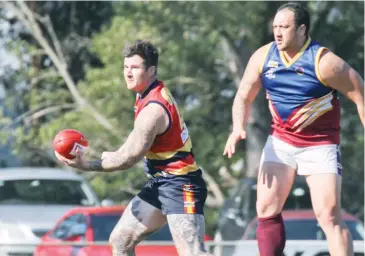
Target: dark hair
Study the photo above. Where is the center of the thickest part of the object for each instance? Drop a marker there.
(301, 14)
(147, 51)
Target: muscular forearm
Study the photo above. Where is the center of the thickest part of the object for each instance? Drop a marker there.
(240, 112)
(119, 160)
(149, 123)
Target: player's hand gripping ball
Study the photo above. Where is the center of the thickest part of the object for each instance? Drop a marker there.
(67, 141)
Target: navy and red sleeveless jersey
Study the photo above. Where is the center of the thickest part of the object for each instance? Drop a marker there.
(171, 152)
(305, 111)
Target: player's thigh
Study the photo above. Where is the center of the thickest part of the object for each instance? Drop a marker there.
(183, 194)
(325, 190)
(183, 198)
(139, 219)
(275, 177)
(319, 160)
(188, 232)
(273, 186)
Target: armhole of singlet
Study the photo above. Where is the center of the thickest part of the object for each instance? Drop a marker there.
(266, 52)
(316, 65)
(168, 114)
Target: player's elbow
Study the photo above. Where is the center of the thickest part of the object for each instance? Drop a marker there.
(242, 98)
(357, 94)
(359, 101)
(357, 97)
(246, 100)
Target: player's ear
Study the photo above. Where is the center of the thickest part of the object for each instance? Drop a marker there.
(152, 70)
(302, 29)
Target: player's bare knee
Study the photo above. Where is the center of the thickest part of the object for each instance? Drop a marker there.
(267, 209)
(188, 233)
(123, 240)
(328, 217)
(117, 242)
(188, 247)
(261, 209)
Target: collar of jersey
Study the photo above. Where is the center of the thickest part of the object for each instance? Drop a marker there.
(153, 85)
(297, 56)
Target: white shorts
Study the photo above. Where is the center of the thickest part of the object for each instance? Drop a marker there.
(306, 160)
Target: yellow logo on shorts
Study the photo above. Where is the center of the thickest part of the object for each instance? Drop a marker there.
(189, 200)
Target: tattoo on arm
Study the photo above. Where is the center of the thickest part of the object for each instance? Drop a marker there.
(96, 166)
(137, 144)
(340, 68)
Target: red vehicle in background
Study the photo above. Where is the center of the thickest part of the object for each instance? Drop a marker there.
(94, 224)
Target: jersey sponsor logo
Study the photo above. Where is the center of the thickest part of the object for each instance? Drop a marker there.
(272, 64)
(270, 73)
(299, 70)
(184, 134)
(189, 204)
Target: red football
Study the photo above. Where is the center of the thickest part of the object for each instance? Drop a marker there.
(68, 141)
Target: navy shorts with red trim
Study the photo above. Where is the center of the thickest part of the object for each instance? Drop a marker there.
(176, 194)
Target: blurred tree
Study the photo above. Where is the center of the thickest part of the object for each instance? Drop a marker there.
(46, 58)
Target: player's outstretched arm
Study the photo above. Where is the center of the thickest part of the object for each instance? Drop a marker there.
(150, 122)
(337, 74)
(247, 91)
